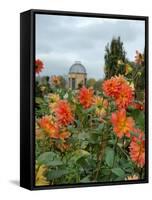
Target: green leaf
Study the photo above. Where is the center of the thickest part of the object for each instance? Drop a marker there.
(50, 159)
(79, 154)
(53, 174)
(118, 171)
(85, 180)
(139, 118)
(109, 156)
(105, 172)
(89, 110)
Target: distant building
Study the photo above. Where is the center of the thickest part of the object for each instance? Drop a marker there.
(77, 76)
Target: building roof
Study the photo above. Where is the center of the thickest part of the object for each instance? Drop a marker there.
(77, 67)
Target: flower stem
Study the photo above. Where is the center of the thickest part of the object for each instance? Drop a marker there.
(100, 156)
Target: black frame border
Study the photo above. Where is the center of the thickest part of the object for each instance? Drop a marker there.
(29, 183)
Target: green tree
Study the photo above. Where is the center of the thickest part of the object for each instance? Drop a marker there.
(98, 84)
(115, 57)
(91, 82)
(62, 82)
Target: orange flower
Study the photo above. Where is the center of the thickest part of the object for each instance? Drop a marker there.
(55, 80)
(38, 66)
(111, 87)
(125, 96)
(64, 135)
(63, 113)
(122, 125)
(118, 88)
(63, 146)
(137, 148)
(85, 97)
(49, 126)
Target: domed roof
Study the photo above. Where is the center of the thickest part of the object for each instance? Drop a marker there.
(77, 67)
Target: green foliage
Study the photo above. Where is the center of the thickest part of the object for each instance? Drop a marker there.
(109, 156)
(91, 82)
(114, 52)
(56, 173)
(49, 159)
(97, 85)
(41, 107)
(118, 172)
(93, 151)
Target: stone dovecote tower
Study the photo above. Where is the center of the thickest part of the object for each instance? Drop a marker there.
(77, 76)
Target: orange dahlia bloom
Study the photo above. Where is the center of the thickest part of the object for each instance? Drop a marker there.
(122, 125)
(85, 97)
(49, 126)
(63, 113)
(38, 66)
(119, 89)
(125, 96)
(111, 87)
(137, 148)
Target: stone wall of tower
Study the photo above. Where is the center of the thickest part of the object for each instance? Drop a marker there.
(79, 79)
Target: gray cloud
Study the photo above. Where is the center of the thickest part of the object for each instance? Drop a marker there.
(60, 40)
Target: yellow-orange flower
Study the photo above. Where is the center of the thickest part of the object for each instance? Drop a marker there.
(55, 80)
(139, 58)
(63, 113)
(38, 66)
(119, 89)
(122, 125)
(86, 97)
(128, 69)
(101, 106)
(137, 148)
(130, 178)
(40, 173)
(53, 99)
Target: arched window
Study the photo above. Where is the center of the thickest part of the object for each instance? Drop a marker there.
(73, 83)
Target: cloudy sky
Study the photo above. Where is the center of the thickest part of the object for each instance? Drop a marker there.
(62, 40)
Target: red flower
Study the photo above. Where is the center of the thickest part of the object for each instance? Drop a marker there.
(85, 97)
(137, 148)
(122, 125)
(38, 66)
(119, 89)
(63, 113)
